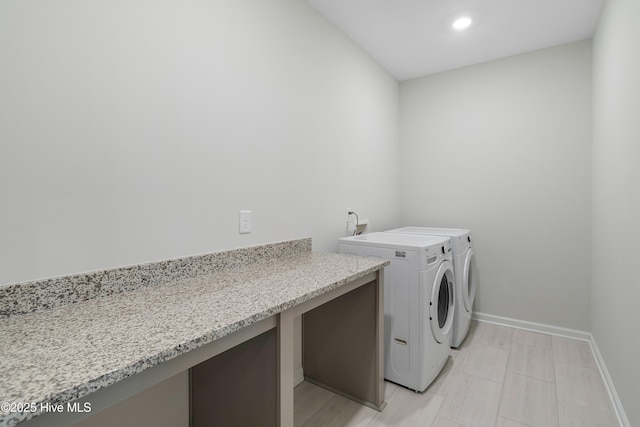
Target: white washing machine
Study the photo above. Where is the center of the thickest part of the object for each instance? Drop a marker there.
(465, 275)
(419, 302)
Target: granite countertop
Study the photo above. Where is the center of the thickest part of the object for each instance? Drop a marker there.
(65, 353)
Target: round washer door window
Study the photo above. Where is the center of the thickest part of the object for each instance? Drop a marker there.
(469, 280)
(441, 305)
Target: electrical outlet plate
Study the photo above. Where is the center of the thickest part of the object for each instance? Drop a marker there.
(351, 222)
(245, 222)
(347, 214)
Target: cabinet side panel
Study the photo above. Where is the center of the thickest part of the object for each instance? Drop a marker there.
(340, 343)
(238, 387)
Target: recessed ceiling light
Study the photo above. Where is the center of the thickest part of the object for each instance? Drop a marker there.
(461, 23)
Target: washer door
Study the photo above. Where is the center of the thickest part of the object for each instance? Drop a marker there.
(442, 304)
(469, 280)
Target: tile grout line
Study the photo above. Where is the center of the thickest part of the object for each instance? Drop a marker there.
(555, 386)
(464, 354)
(618, 409)
(529, 376)
(504, 377)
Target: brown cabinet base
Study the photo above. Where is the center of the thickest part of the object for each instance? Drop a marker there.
(237, 387)
(341, 341)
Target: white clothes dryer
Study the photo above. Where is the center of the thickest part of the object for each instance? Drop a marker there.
(419, 302)
(465, 274)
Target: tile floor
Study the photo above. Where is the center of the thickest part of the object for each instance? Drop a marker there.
(500, 376)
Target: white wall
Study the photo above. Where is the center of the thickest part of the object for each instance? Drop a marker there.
(136, 130)
(504, 148)
(616, 198)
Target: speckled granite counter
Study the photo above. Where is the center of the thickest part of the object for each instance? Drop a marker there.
(61, 354)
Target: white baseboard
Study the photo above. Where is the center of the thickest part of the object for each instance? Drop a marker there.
(298, 376)
(608, 382)
(532, 326)
(571, 333)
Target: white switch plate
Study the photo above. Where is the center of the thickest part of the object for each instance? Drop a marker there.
(245, 222)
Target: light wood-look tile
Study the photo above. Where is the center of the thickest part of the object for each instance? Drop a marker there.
(467, 342)
(572, 352)
(458, 353)
(307, 392)
(505, 422)
(339, 411)
(578, 416)
(534, 377)
(471, 401)
(529, 401)
(532, 338)
(408, 408)
(492, 335)
(308, 400)
(581, 386)
(441, 422)
(532, 361)
(473, 327)
(441, 384)
(389, 389)
(486, 361)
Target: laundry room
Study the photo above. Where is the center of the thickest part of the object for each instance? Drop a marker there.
(133, 132)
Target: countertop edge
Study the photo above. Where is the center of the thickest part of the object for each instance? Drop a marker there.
(113, 377)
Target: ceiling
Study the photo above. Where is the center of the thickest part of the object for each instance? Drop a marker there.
(413, 38)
